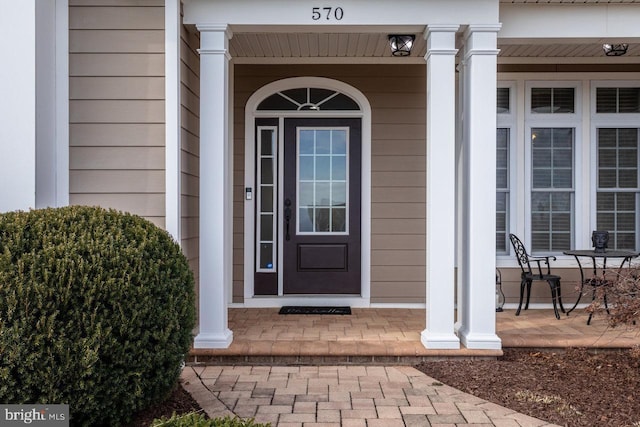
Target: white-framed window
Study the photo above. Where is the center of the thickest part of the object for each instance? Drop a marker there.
(267, 172)
(616, 129)
(574, 163)
(506, 120)
(552, 188)
(552, 122)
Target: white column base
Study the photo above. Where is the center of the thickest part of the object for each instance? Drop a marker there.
(480, 341)
(439, 341)
(213, 340)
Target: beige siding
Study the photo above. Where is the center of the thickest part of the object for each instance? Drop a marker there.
(116, 134)
(116, 110)
(117, 18)
(116, 41)
(190, 149)
(121, 181)
(398, 169)
(120, 88)
(117, 158)
(150, 205)
(117, 64)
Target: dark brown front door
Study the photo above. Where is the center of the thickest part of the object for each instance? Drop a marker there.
(321, 212)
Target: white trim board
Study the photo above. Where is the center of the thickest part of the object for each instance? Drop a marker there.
(249, 14)
(52, 103)
(172, 117)
(62, 102)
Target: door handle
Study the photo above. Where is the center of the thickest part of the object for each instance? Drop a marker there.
(287, 218)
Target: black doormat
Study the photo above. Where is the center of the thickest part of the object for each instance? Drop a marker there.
(292, 309)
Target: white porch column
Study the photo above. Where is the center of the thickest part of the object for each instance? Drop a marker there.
(215, 195)
(478, 320)
(18, 105)
(440, 57)
(34, 108)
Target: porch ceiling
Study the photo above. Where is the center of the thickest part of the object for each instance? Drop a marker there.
(335, 46)
(310, 45)
(591, 50)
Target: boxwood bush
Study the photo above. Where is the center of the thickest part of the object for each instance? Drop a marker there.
(194, 419)
(96, 311)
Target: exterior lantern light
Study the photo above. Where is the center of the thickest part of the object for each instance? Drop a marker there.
(615, 49)
(401, 44)
(499, 293)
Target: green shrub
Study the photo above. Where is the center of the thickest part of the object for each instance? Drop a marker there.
(194, 419)
(96, 311)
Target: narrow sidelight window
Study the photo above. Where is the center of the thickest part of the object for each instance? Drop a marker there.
(266, 198)
(502, 190)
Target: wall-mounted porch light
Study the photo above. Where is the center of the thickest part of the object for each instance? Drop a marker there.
(615, 49)
(401, 44)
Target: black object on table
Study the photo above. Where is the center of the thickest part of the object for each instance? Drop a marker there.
(598, 278)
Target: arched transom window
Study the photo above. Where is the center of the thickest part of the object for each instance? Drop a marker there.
(308, 98)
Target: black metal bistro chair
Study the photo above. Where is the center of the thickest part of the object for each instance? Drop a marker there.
(529, 275)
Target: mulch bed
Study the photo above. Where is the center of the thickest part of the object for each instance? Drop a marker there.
(179, 402)
(571, 388)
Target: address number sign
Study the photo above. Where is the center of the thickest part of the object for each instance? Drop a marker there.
(327, 13)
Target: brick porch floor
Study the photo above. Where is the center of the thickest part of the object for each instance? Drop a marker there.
(392, 336)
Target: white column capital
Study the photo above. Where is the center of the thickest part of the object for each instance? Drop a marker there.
(216, 28)
(441, 40)
(441, 28)
(481, 40)
(482, 28)
(214, 39)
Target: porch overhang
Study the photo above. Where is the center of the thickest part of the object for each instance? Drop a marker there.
(529, 30)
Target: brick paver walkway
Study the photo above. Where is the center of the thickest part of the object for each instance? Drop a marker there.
(349, 396)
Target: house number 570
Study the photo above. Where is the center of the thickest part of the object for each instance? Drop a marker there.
(328, 13)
